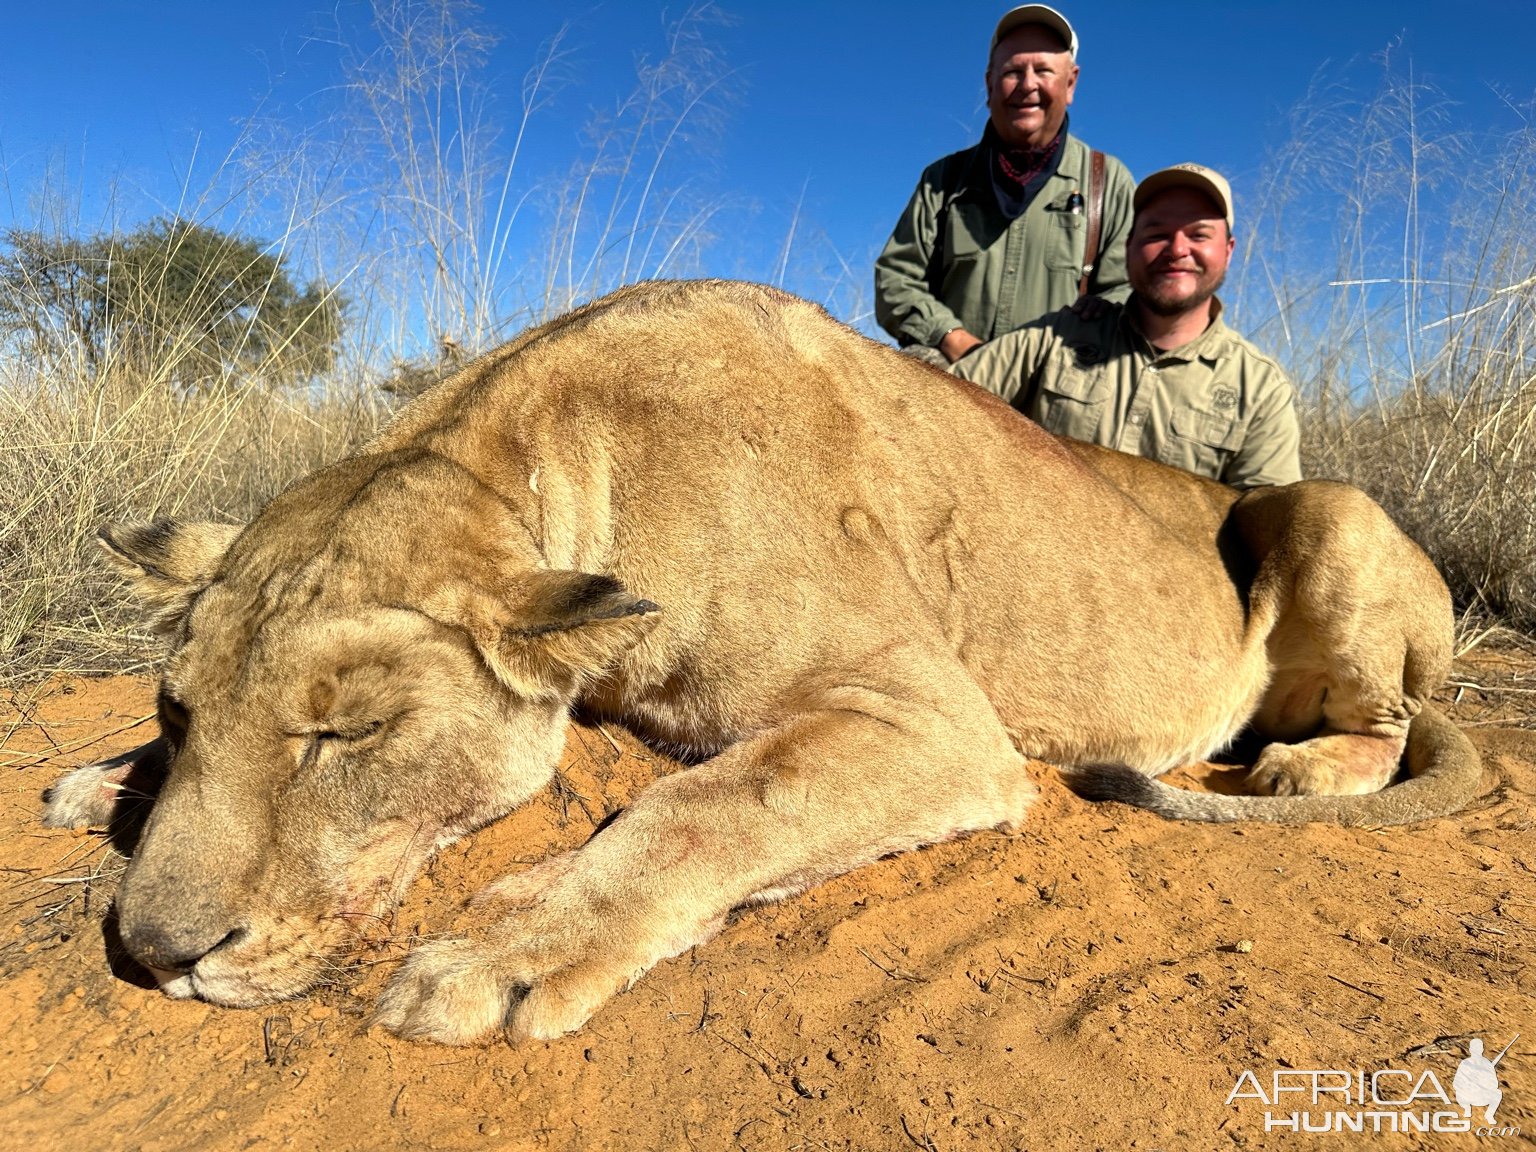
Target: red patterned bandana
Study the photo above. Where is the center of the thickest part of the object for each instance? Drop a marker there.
(1025, 165)
(1018, 174)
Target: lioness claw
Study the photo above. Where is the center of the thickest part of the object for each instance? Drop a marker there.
(92, 795)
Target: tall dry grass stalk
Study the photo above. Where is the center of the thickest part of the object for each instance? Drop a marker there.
(622, 213)
(429, 155)
(1388, 257)
(422, 190)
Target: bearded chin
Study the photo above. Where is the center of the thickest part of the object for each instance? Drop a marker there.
(1167, 305)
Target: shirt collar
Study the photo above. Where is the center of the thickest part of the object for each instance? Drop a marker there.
(1073, 164)
(1209, 345)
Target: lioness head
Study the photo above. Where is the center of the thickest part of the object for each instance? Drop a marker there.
(374, 666)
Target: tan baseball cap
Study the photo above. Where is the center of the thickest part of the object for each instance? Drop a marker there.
(1207, 180)
(1037, 14)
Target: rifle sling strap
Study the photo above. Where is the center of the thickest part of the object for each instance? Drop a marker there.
(1095, 218)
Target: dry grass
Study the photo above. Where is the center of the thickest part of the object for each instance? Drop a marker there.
(75, 454)
(1454, 466)
(1387, 257)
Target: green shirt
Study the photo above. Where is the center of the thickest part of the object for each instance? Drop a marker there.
(1217, 407)
(955, 261)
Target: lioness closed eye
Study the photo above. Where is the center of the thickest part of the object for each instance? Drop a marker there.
(863, 590)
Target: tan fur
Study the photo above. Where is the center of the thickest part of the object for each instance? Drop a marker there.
(865, 590)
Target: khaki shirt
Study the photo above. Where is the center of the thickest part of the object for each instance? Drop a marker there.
(955, 261)
(1217, 407)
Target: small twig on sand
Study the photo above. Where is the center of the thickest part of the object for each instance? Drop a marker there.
(924, 1142)
(1356, 987)
(893, 973)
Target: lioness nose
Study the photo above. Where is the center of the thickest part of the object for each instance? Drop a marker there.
(177, 948)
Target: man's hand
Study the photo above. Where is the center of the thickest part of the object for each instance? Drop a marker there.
(956, 344)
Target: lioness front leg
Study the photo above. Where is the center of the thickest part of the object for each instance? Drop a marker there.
(864, 775)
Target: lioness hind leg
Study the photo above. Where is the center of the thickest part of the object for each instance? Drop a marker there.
(864, 773)
(1361, 636)
(1333, 764)
(1359, 712)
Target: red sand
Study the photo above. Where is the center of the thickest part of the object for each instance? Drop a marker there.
(1099, 981)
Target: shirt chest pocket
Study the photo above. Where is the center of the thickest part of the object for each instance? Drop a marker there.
(1066, 236)
(1071, 399)
(1202, 442)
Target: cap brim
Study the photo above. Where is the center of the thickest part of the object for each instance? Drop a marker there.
(1160, 182)
(1037, 14)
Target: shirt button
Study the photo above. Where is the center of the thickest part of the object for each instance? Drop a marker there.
(1136, 419)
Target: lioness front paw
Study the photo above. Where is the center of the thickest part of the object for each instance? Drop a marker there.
(466, 991)
(547, 950)
(90, 796)
(448, 992)
(542, 956)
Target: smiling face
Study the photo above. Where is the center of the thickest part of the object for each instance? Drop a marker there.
(361, 680)
(1178, 251)
(1030, 81)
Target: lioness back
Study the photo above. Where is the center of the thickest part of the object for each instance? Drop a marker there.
(759, 444)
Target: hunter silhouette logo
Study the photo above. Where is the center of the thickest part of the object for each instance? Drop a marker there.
(1477, 1084)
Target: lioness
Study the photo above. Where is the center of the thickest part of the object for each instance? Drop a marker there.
(861, 591)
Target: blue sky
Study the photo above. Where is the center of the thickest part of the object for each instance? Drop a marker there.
(830, 108)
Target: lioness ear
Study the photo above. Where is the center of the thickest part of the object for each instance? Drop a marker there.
(555, 630)
(167, 562)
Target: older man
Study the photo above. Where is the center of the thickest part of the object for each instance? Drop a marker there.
(1017, 226)
(1160, 375)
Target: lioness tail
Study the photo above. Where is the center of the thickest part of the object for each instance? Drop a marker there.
(1445, 774)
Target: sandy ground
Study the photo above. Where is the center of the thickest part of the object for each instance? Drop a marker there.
(1100, 981)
